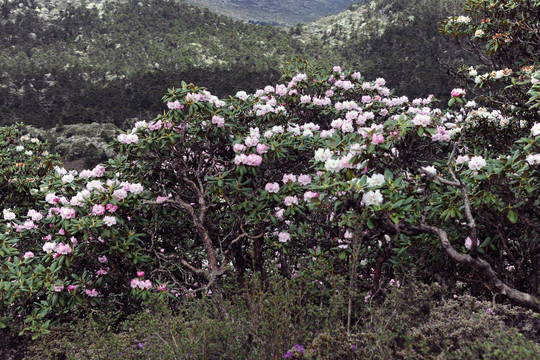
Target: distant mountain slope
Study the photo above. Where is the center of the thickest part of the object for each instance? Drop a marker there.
(275, 12)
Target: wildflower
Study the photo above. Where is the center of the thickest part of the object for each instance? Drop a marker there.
(272, 187)
(476, 163)
(34, 215)
(535, 130)
(218, 121)
(67, 213)
(98, 210)
(109, 220)
(63, 249)
(333, 165)
(290, 200)
(8, 215)
(309, 195)
(372, 198)
(375, 180)
(284, 237)
(49, 247)
(28, 255)
(462, 159)
(92, 293)
(289, 178)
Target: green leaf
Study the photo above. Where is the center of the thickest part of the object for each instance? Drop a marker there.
(369, 224)
(512, 216)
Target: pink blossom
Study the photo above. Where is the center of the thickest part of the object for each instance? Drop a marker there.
(304, 99)
(462, 159)
(119, 194)
(468, 243)
(28, 255)
(102, 259)
(140, 274)
(102, 272)
(111, 208)
(34, 215)
(272, 187)
(71, 288)
(134, 283)
(377, 139)
(308, 195)
(441, 135)
(162, 199)
(253, 160)
(284, 237)
(304, 179)
(98, 170)
(128, 138)
(67, 213)
(58, 288)
(175, 105)
(477, 163)
(289, 178)
(63, 249)
(98, 210)
(92, 293)
(136, 188)
(49, 247)
(262, 149)
(422, 120)
(218, 121)
(239, 147)
(109, 220)
(162, 287)
(290, 200)
(457, 92)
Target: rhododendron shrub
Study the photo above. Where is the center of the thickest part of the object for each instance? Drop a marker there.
(503, 36)
(324, 165)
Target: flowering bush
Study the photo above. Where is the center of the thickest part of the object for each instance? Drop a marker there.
(324, 164)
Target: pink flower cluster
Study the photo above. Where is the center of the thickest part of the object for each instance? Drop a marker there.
(249, 160)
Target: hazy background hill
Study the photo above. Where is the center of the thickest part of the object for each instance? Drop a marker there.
(275, 12)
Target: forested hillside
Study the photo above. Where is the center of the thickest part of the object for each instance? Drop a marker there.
(108, 62)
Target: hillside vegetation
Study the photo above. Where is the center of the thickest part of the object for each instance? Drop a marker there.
(108, 62)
